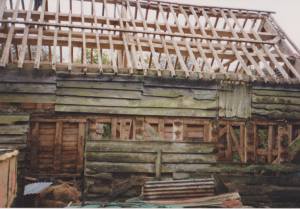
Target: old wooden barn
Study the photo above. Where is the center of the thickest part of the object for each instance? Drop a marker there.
(109, 91)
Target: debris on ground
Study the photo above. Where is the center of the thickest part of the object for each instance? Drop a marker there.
(188, 193)
(60, 195)
(166, 190)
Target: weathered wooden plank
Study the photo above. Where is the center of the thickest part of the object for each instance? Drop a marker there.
(28, 76)
(4, 166)
(121, 167)
(164, 92)
(198, 94)
(136, 111)
(11, 119)
(234, 101)
(109, 85)
(280, 107)
(146, 167)
(158, 164)
(205, 95)
(149, 146)
(27, 88)
(183, 102)
(27, 98)
(80, 147)
(289, 88)
(276, 114)
(10, 34)
(275, 92)
(102, 93)
(122, 157)
(12, 146)
(57, 141)
(99, 190)
(288, 100)
(14, 129)
(180, 83)
(11, 139)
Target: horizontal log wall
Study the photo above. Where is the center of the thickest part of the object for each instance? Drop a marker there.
(27, 91)
(118, 160)
(43, 91)
(136, 97)
(275, 102)
(112, 164)
(139, 108)
(202, 154)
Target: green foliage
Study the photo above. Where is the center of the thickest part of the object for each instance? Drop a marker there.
(105, 57)
(107, 130)
(236, 157)
(263, 138)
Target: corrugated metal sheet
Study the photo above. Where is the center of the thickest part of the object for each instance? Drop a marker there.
(36, 188)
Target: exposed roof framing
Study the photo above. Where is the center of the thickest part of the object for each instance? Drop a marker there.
(149, 38)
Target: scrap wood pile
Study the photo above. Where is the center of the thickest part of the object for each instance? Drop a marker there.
(188, 193)
(59, 195)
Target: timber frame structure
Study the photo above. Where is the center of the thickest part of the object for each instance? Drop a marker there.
(113, 89)
(147, 38)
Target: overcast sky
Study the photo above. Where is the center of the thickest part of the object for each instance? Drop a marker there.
(287, 11)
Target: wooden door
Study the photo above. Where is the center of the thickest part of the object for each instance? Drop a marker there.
(56, 147)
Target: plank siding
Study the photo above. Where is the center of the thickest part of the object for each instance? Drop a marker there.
(276, 103)
(134, 161)
(27, 91)
(34, 91)
(234, 101)
(142, 109)
(56, 147)
(141, 98)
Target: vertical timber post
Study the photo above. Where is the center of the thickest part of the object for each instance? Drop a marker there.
(158, 164)
(87, 137)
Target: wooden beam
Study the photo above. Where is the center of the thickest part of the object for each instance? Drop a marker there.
(54, 57)
(6, 50)
(39, 39)
(24, 40)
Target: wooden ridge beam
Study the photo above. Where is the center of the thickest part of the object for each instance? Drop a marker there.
(115, 21)
(160, 33)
